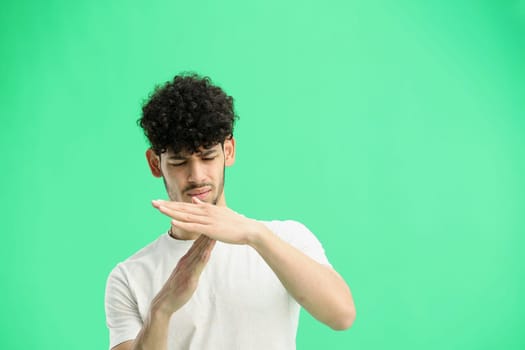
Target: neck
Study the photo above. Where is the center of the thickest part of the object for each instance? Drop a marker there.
(183, 235)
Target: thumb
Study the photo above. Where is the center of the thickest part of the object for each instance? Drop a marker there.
(196, 200)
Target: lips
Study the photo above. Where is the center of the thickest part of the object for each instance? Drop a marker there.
(200, 193)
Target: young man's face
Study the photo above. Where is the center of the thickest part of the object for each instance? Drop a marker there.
(200, 174)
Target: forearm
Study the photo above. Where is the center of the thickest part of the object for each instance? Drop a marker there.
(318, 288)
(154, 333)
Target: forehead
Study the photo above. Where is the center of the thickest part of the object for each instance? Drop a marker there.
(200, 151)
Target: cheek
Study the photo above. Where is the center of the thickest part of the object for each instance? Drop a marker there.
(172, 180)
(215, 169)
(219, 174)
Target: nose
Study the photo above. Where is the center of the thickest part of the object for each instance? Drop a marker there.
(196, 173)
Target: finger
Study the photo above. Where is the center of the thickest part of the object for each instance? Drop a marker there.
(198, 256)
(191, 265)
(203, 228)
(197, 248)
(198, 245)
(188, 260)
(204, 257)
(190, 208)
(183, 216)
(196, 200)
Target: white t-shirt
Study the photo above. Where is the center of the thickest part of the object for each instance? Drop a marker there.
(239, 302)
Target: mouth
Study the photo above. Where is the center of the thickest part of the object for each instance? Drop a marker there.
(200, 193)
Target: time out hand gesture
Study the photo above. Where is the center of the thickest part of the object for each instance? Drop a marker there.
(217, 222)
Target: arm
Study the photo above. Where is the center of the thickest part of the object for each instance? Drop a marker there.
(318, 288)
(177, 290)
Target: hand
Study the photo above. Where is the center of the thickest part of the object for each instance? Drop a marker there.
(217, 222)
(183, 281)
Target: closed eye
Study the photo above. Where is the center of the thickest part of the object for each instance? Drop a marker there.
(177, 164)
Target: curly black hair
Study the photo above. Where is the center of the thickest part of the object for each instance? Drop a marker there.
(187, 113)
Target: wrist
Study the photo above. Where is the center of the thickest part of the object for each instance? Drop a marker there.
(159, 311)
(258, 235)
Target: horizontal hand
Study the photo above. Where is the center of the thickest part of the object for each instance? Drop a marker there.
(217, 222)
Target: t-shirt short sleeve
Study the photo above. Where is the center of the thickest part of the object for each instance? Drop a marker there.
(122, 314)
(301, 238)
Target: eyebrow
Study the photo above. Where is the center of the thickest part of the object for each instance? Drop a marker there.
(202, 154)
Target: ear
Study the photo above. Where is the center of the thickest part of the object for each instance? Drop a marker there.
(229, 151)
(154, 163)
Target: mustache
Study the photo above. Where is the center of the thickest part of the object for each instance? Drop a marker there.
(194, 186)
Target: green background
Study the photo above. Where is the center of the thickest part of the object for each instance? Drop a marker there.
(393, 129)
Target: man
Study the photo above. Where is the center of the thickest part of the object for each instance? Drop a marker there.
(216, 279)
